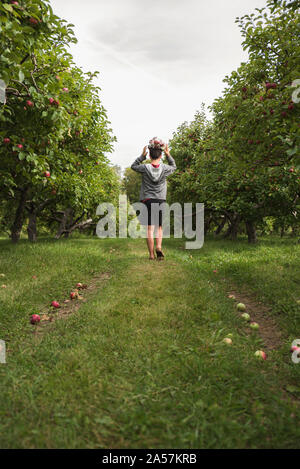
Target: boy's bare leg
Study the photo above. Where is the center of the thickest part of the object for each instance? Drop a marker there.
(150, 241)
(159, 237)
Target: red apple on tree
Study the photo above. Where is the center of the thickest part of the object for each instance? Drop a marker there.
(47, 174)
(6, 140)
(33, 21)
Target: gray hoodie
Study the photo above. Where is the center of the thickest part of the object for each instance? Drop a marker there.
(154, 180)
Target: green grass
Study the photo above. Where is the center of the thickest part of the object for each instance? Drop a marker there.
(142, 364)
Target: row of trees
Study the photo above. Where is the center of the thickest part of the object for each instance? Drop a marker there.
(244, 163)
(54, 131)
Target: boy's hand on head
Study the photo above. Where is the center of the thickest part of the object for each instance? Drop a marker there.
(166, 150)
(145, 151)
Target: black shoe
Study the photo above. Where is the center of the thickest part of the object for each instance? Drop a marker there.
(160, 255)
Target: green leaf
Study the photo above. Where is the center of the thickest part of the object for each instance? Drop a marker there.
(8, 7)
(21, 76)
(293, 389)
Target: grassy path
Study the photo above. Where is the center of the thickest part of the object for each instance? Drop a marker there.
(141, 363)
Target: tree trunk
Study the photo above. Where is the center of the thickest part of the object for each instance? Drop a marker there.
(19, 217)
(294, 231)
(232, 231)
(251, 232)
(207, 225)
(31, 229)
(220, 227)
(66, 221)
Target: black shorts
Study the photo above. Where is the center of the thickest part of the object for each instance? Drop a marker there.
(152, 216)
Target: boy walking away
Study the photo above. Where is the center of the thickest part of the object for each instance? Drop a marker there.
(154, 190)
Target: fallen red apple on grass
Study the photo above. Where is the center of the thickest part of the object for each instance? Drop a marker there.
(227, 341)
(294, 348)
(35, 319)
(55, 304)
(79, 285)
(261, 354)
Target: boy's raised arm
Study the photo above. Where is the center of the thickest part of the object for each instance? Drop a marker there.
(171, 162)
(137, 164)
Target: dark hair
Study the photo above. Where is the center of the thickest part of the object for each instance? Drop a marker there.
(155, 153)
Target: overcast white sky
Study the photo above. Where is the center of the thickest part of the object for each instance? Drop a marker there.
(158, 60)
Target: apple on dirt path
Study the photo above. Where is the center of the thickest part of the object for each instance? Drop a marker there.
(241, 307)
(246, 316)
(254, 325)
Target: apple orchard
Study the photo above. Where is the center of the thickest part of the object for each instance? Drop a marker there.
(243, 163)
(54, 129)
